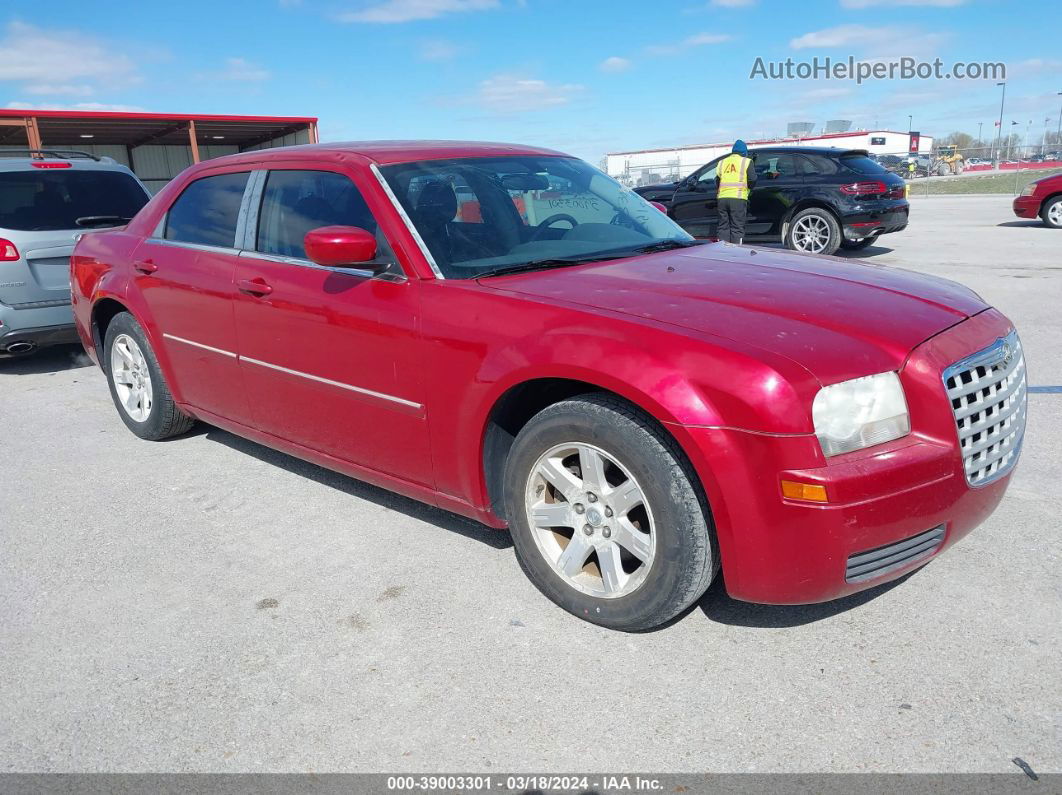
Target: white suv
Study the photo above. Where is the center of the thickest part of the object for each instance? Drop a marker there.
(47, 198)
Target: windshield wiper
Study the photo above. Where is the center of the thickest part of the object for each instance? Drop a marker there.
(539, 264)
(668, 245)
(93, 220)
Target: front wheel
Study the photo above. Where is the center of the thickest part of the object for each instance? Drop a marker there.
(1052, 213)
(605, 516)
(814, 231)
(139, 391)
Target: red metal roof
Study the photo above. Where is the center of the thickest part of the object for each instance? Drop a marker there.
(135, 129)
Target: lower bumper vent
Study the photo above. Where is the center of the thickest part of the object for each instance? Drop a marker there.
(876, 562)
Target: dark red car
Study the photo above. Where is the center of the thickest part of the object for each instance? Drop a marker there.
(1043, 198)
(509, 334)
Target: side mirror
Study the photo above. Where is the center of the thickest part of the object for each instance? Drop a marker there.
(340, 246)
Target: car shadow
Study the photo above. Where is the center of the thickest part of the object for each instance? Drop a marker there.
(498, 539)
(718, 606)
(48, 360)
(866, 253)
(1033, 223)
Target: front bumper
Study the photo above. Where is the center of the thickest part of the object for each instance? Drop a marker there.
(1026, 207)
(780, 551)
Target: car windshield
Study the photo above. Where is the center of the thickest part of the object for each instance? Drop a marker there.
(496, 214)
(67, 198)
(862, 164)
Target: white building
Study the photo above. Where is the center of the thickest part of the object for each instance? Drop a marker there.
(661, 165)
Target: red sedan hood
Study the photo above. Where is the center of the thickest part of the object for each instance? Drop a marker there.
(838, 318)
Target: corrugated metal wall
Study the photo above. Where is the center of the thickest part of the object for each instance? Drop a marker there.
(157, 165)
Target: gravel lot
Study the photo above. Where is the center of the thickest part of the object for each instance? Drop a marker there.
(206, 604)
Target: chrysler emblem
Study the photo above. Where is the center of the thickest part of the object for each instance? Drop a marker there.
(1008, 354)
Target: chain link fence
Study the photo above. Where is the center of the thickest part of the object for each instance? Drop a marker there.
(945, 161)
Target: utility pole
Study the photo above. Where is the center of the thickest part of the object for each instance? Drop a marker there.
(910, 123)
(1058, 133)
(1000, 132)
(979, 124)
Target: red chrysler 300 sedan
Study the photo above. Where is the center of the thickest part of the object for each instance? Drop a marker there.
(509, 334)
(1043, 198)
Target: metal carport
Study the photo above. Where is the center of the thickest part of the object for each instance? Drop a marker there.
(156, 146)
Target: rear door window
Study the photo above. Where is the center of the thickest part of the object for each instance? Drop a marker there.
(817, 166)
(861, 164)
(67, 198)
(207, 210)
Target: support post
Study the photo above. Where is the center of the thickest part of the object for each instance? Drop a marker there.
(192, 142)
(33, 134)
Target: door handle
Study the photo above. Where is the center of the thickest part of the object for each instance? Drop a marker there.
(256, 287)
(145, 266)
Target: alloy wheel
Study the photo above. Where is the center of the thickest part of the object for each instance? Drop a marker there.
(590, 520)
(1054, 213)
(132, 378)
(811, 234)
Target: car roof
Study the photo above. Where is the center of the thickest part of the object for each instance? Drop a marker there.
(388, 152)
(26, 163)
(810, 150)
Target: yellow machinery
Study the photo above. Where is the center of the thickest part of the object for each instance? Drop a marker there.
(948, 161)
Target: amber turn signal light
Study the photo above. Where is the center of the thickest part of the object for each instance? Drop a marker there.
(810, 492)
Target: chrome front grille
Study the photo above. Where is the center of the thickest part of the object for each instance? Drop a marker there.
(988, 397)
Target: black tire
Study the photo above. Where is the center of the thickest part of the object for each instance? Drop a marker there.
(857, 245)
(834, 229)
(164, 418)
(1045, 212)
(686, 556)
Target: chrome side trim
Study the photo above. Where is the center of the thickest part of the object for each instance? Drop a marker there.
(305, 263)
(329, 382)
(279, 369)
(175, 338)
(159, 241)
(407, 221)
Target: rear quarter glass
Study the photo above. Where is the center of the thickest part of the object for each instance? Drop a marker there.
(861, 164)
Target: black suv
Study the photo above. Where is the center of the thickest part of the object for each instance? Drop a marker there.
(811, 199)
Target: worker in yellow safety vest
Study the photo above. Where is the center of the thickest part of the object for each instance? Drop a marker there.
(735, 177)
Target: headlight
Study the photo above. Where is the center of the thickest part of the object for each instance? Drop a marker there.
(860, 413)
(1029, 189)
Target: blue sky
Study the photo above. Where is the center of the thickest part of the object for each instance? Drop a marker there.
(584, 76)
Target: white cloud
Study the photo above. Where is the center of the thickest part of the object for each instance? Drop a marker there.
(69, 89)
(700, 40)
(733, 3)
(894, 3)
(241, 69)
(507, 93)
(844, 36)
(101, 106)
(614, 64)
(393, 11)
(48, 61)
(439, 50)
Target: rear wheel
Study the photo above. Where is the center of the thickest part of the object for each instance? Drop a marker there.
(605, 516)
(139, 391)
(1051, 213)
(814, 231)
